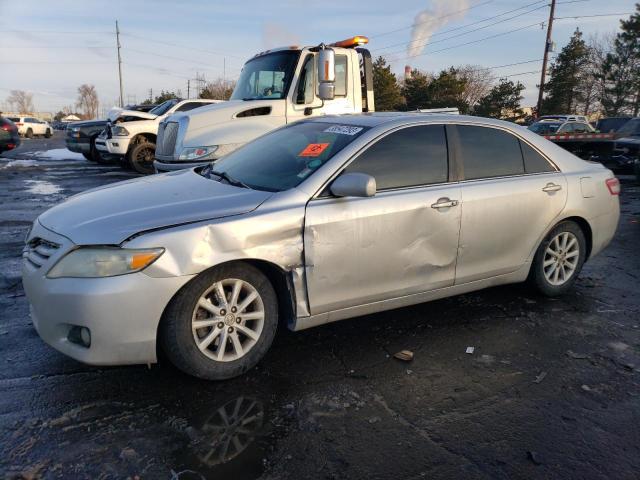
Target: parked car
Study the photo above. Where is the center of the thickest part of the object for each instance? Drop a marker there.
(321, 220)
(626, 149)
(553, 127)
(9, 138)
(81, 138)
(565, 118)
(611, 124)
(130, 135)
(30, 126)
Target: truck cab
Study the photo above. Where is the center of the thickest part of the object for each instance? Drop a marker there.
(275, 87)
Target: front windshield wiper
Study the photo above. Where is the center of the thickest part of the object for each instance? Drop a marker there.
(230, 180)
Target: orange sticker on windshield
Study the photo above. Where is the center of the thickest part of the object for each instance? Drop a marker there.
(313, 150)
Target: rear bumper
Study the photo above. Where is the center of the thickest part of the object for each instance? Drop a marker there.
(173, 166)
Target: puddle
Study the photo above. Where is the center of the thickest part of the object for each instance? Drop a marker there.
(42, 187)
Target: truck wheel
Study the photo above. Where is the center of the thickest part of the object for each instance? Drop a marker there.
(47, 134)
(29, 133)
(94, 153)
(87, 156)
(221, 323)
(141, 155)
(559, 259)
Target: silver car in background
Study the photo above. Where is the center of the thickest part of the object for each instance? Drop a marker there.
(318, 221)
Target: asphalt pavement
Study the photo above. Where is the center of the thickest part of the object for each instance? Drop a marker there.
(551, 390)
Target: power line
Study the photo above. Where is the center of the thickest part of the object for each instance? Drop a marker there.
(471, 42)
(431, 20)
(593, 16)
(182, 46)
(537, 2)
(473, 30)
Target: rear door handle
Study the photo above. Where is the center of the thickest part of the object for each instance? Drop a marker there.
(444, 202)
(551, 187)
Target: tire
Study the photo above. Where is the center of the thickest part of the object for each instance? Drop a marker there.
(29, 133)
(141, 155)
(194, 351)
(47, 134)
(94, 153)
(555, 279)
(87, 156)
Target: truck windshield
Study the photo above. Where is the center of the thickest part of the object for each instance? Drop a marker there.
(544, 128)
(267, 76)
(284, 158)
(164, 107)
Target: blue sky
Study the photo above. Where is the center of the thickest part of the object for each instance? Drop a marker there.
(51, 47)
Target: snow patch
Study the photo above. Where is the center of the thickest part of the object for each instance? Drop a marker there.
(42, 187)
(58, 154)
(20, 164)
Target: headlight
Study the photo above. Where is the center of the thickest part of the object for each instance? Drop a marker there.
(120, 131)
(198, 153)
(93, 262)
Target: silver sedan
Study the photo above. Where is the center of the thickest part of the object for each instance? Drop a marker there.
(321, 220)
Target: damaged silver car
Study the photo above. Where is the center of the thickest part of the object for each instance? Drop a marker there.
(321, 220)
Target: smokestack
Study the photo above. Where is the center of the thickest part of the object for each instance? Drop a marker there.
(407, 71)
(433, 18)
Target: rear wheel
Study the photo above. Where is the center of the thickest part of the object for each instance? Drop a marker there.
(222, 323)
(141, 155)
(47, 134)
(559, 259)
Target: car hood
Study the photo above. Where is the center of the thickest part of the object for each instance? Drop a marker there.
(115, 114)
(628, 140)
(111, 214)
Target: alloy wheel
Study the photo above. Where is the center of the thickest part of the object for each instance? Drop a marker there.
(228, 319)
(561, 258)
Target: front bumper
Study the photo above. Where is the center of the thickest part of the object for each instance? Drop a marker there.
(173, 166)
(117, 145)
(78, 146)
(117, 311)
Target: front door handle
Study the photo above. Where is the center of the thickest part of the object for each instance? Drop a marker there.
(444, 202)
(551, 187)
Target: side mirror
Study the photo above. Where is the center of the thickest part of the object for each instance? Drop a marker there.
(326, 73)
(354, 185)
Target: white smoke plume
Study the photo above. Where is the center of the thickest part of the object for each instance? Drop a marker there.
(436, 16)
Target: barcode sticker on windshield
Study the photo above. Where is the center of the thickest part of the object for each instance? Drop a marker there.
(343, 129)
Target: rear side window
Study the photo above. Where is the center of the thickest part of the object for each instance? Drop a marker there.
(533, 161)
(489, 152)
(190, 106)
(406, 158)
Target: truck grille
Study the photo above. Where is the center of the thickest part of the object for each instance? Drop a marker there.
(37, 252)
(167, 136)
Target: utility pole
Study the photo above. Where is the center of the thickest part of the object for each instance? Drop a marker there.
(119, 63)
(547, 47)
(151, 95)
(188, 88)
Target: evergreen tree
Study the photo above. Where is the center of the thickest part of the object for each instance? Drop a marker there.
(447, 89)
(503, 101)
(621, 70)
(415, 90)
(565, 88)
(385, 87)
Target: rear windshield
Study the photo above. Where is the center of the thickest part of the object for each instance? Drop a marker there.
(543, 128)
(284, 158)
(14, 119)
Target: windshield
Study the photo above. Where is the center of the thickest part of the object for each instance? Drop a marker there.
(543, 128)
(284, 158)
(267, 76)
(608, 125)
(632, 127)
(164, 107)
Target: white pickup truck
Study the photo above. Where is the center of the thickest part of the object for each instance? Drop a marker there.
(130, 136)
(275, 87)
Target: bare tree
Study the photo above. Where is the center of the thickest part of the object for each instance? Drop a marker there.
(21, 101)
(87, 100)
(218, 89)
(595, 84)
(478, 83)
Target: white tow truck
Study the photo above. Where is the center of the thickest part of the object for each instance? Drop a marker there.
(276, 87)
(130, 135)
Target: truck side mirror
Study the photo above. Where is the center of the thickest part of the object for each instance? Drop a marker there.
(326, 73)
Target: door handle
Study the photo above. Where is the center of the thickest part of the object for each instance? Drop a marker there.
(444, 202)
(551, 187)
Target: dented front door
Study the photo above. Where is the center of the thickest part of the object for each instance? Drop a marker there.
(397, 243)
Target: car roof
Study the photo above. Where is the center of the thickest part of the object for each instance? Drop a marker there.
(374, 119)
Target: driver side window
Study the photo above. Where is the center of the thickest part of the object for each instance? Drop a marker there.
(304, 92)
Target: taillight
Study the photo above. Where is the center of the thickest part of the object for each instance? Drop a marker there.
(6, 128)
(613, 184)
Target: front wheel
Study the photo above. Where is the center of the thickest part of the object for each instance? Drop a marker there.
(221, 323)
(140, 157)
(47, 134)
(559, 259)
(29, 133)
